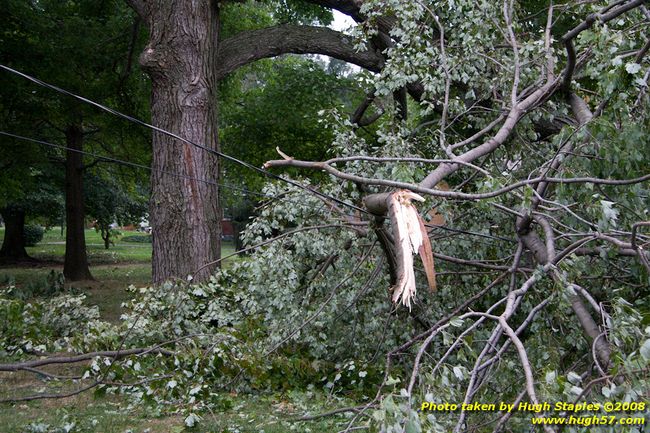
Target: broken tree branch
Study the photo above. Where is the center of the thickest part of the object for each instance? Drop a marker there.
(116, 354)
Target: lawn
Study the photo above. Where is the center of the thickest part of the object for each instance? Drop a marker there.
(239, 413)
(124, 263)
(52, 247)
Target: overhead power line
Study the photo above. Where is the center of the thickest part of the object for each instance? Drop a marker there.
(204, 148)
(177, 137)
(128, 163)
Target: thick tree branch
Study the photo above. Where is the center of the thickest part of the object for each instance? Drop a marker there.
(82, 357)
(516, 113)
(544, 253)
(249, 46)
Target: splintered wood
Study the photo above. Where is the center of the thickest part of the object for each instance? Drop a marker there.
(410, 238)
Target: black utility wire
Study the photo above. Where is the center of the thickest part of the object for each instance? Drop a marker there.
(207, 149)
(129, 163)
(184, 140)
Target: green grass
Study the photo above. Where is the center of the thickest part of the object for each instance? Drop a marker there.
(241, 413)
(114, 269)
(52, 247)
(108, 414)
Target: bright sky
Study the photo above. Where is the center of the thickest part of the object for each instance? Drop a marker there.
(341, 22)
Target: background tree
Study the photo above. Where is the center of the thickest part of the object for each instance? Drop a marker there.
(37, 206)
(41, 38)
(30, 183)
(108, 203)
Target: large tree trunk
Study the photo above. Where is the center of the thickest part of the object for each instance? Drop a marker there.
(75, 267)
(184, 211)
(13, 245)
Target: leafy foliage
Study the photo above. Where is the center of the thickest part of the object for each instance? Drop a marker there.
(33, 234)
(43, 326)
(271, 105)
(108, 202)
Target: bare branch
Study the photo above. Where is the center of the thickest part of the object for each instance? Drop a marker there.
(51, 396)
(330, 413)
(116, 354)
(643, 255)
(444, 167)
(507, 12)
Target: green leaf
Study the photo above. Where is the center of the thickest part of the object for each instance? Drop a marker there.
(645, 350)
(632, 68)
(412, 427)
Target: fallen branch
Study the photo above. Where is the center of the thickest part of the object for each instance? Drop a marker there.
(116, 354)
(427, 187)
(355, 409)
(50, 396)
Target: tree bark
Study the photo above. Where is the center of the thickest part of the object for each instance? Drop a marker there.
(75, 267)
(13, 245)
(249, 46)
(185, 213)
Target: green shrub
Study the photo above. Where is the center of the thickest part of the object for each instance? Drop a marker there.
(143, 239)
(33, 234)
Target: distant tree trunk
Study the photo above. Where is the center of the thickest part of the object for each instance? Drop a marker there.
(13, 245)
(185, 212)
(106, 236)
(237, 228)
(75, 267)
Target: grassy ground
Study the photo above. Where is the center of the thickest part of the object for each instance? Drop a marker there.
(52, 247)
(239, 413)
(114, 270)
(86, 413)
